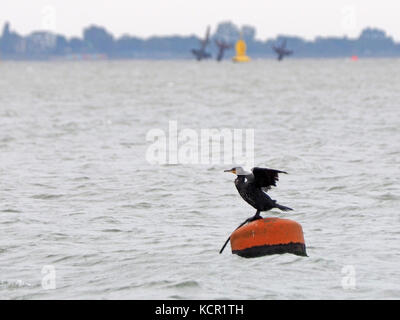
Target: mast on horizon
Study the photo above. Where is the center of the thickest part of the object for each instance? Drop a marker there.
(201, 53)
(281, 50)
(222, 46)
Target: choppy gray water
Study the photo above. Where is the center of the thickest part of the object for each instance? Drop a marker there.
(77, 194)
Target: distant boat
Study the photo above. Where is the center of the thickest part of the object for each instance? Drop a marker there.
(354, 58)
(241, 48)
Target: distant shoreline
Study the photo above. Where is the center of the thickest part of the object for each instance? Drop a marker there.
(255, 60)
(98, 44)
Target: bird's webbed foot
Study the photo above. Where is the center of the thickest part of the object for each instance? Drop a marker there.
(256, 217)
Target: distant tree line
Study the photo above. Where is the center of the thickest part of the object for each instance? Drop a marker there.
(98, 42)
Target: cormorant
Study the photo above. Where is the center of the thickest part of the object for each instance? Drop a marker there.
(252, 186)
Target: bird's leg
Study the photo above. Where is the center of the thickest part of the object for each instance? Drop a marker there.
(256, 216)
(227, 240)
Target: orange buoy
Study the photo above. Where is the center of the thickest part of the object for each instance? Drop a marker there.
(268, 236)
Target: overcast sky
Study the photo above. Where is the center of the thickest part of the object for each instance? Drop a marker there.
(307, 18)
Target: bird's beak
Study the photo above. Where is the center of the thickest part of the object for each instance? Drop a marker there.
(231, 170)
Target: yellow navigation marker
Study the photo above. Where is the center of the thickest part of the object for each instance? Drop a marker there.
(241, 48)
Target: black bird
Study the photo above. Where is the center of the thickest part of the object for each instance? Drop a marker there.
(253, 185)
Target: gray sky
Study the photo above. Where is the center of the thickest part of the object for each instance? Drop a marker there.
(307, 18)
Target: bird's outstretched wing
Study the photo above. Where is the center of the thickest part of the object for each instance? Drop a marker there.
(265, 178)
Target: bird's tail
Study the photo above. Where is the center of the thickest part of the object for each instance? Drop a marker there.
(283, 208)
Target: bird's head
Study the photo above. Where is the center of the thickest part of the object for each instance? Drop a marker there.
(239, 171)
